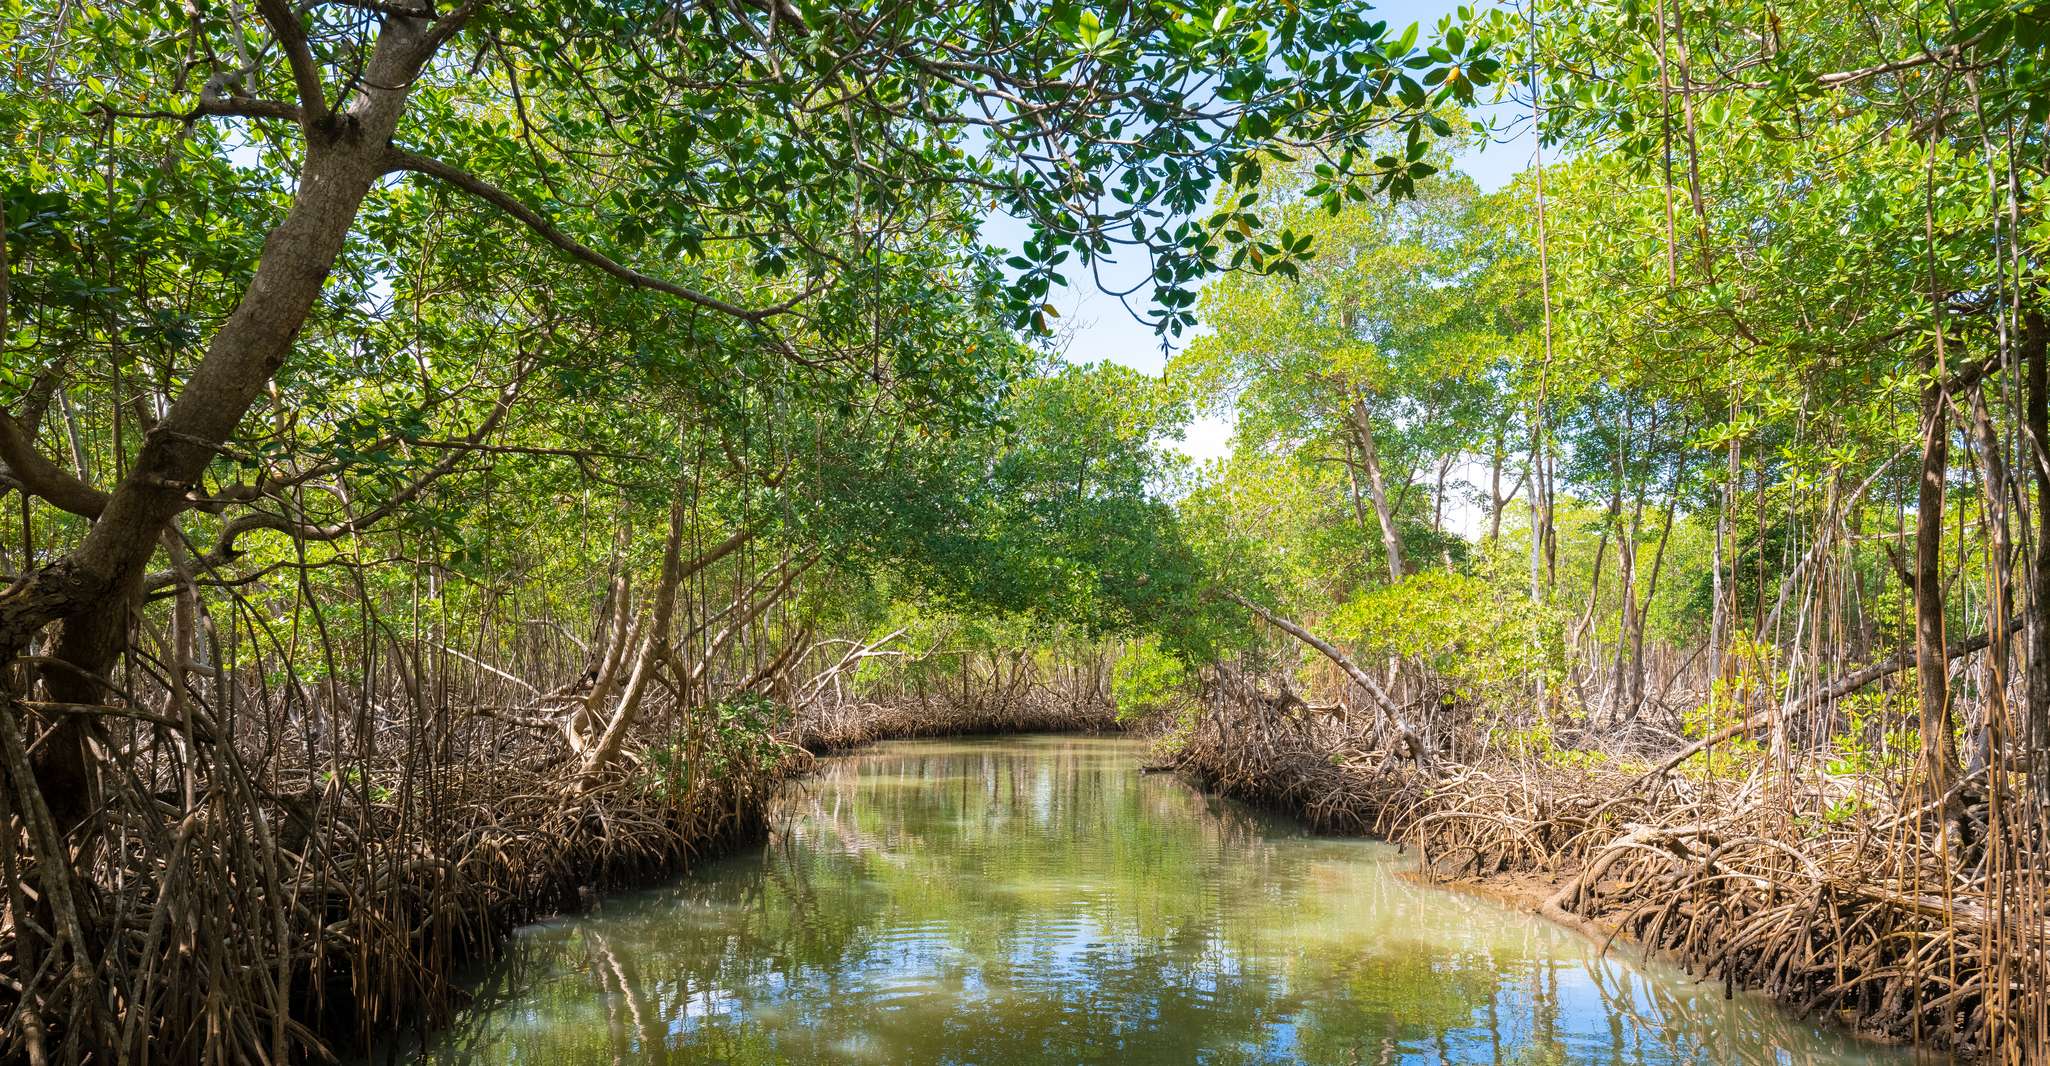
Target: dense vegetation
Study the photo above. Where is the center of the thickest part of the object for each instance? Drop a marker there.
(1688, 500)
(457, 455)
(445, 444)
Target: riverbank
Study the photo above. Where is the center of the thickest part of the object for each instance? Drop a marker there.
(533, 847)
(1870, 918)
(1035, 900)
(529, 842)
(845, 728)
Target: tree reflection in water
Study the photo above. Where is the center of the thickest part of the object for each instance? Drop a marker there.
(1038, 900)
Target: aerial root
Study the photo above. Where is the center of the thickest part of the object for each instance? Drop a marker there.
(276, 916)
(1866, 917)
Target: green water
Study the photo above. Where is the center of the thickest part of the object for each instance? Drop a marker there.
(1038, 900)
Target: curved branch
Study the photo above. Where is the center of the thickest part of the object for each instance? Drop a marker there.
(284, 24)
(400, 159)
(1344, 662)
(448, 26)
(1846, 77)
(38, 476)
(224, 545)
(220, 107)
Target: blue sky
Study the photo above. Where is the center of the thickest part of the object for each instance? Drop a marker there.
(1098, 328)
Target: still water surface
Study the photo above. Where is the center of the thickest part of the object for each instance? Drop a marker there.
(1038, 900)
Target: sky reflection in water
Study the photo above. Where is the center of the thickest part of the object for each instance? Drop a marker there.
(1038, 900)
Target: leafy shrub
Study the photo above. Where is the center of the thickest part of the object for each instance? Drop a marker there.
(1537, 742)
(738, 741)
(1146, 680)
(1453, 626)
(1865, 746)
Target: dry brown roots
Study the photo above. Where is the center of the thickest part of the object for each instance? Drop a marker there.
(275, 920)
(293, 912)
(849, 725)
(1821, 892)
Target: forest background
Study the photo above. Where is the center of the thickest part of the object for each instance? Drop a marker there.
(459, 455)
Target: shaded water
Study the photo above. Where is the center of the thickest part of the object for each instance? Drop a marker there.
(1037, 900)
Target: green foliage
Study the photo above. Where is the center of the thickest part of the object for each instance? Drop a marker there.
(1375, 359)
(1147, 680)
(1537, 742)
(1062, 516)
(739, 248)
(1864, 744)
(1734, 697)
(1452, 625)
(353, 779)
(732, 740)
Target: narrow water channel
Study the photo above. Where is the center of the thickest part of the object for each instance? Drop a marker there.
(1038, 900)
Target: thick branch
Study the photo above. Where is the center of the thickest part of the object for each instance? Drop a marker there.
(1944, 54)
(722, 549)
(220, 107)
(1329, 651)
(448, 26)
(38, 476)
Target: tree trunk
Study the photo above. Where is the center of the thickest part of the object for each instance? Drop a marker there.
(2035, 353)
(1352, 481)
(1495, 490)
(654, 646)
(617, 632)
(1629, 624)
(1438, 497)
(92, 591)
(1994, 492)
(1629, 690)
(1537, 515)
(1651, 587)
(1939, 767)
(1377, 487)
(659, 651)
(1498, 501)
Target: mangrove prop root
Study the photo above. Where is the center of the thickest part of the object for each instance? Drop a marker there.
(284, 915)
(1871, 918)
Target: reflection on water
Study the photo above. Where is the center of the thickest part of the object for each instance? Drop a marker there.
(1038, 900)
